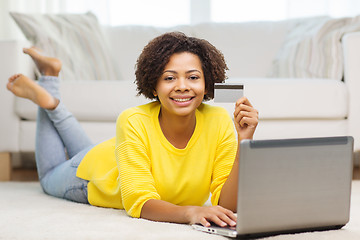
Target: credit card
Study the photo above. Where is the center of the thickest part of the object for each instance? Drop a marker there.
(228, 92)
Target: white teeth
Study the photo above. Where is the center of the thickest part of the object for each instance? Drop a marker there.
(182, 99)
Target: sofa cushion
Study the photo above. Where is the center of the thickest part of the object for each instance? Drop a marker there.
(96, 131)
(127, 42)
(76, 39)
(294, 98)
(249, 48)
(90, 100)
(274, 98)
(312, 48)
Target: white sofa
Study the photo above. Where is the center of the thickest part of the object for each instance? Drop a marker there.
(288, 107)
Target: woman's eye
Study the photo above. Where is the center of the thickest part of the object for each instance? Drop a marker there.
(194, 77)
(169, 78)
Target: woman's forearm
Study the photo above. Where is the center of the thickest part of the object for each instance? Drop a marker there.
(158, 210)
(228, 195)
(246, 119)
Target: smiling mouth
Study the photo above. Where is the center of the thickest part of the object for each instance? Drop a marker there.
(182, 99)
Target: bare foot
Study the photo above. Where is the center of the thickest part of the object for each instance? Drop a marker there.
(24, 87)
(47, 66)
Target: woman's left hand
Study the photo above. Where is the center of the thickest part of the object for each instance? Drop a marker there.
(246, 118)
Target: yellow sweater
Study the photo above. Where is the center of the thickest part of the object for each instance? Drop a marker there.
(140, 164)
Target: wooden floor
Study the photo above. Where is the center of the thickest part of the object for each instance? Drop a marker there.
(356, 173)
(30, 174)
(24, 175)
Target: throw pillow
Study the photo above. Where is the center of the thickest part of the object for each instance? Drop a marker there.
(312, 48)
(76, 39)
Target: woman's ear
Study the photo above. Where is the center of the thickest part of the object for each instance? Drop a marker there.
(154, 93)
(205, 94)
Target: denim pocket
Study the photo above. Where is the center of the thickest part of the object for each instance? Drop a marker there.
(77, 194)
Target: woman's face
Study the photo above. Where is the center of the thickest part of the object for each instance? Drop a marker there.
(181, 87)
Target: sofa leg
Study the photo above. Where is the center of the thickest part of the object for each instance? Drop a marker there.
(5, 166)
(357, 158)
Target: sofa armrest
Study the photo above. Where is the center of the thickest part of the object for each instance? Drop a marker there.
(351, 47)
(12, 61)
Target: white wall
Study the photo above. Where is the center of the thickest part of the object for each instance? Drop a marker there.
(8, 28)
(113, 12)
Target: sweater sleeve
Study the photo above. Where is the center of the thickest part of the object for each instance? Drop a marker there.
(225, 156)
(136, 181)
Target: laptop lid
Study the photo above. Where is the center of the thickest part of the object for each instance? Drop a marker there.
(291, 185)
(294, 184)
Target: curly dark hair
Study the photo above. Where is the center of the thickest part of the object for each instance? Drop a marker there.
(156, 54)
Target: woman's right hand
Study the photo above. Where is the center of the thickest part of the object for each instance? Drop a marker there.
(216, 214)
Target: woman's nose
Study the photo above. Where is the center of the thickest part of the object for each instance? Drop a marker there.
(182, 84)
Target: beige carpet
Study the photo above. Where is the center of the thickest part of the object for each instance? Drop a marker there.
(27, 213)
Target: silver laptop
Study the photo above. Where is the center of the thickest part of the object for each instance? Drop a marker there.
(292, 185)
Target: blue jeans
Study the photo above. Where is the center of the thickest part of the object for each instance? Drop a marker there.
(61, 144)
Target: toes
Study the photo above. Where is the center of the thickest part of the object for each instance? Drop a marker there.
(26, 50)
(32, 51)
(14, 77)
(9, 86)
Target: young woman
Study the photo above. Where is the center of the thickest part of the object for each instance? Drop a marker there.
(167, 156)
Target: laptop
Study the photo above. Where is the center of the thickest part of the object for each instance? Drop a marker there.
(291, 186)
